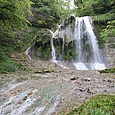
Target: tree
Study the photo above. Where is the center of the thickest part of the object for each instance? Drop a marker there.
(51, 11)
(94, 7)
(109, 30)
(13, 15)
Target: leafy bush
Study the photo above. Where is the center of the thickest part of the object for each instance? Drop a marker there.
(98, 105)
(7, 65)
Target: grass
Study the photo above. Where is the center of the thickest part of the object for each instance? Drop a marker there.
(97, 105)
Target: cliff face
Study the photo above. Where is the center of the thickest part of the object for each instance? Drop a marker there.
(63, 41)
(64, 38)
(109, 51)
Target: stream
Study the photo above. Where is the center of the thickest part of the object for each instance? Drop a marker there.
(52, 93)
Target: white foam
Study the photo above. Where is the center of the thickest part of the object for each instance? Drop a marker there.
(80, 66)
(98, 66)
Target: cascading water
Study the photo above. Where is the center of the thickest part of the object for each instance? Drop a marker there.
(53, 58)
(52, 44)
(87, 50)
(27, 52)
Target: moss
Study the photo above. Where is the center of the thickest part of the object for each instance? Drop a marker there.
(69, 51)
(98, 105)
(109, 70)
(42, 71)
(98, 29)
(43, 51)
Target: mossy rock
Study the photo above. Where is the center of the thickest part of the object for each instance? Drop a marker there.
(42, 71)
(48, 70)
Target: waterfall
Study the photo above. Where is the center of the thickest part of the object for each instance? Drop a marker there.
(80, 32)
(53, 50)
(27, 52)
(88, 56)
(87, 50)
(52, 44)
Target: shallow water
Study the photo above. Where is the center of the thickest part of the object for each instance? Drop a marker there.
(51, 93)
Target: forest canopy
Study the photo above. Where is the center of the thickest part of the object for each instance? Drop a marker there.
(13, 15)
(102, 11)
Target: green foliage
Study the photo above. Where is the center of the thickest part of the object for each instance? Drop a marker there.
(13, 15)
(102, 11)
(98, 105)
(52, 11)
(94, 7)
(103, 18)
(109, 30)
(84, 7)
(6, 64)
(25, 38)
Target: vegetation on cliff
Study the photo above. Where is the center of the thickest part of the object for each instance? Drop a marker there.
(102, 12)
(13, 18)
(16, 21)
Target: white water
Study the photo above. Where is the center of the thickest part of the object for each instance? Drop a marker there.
(80, 66)
(27, 52)
(85, 37)
(88, 55)
(71, 4)
(53, 58)
(53, 50)
(12, 105)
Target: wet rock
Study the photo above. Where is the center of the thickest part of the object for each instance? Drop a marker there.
(105, 90)
(39, 71)
(42, 71)
(24, 98)
(86, 79)
(57, 89)
(83, 89)
(89, 91)
(109, 80)
(30, 93)
(48, 70)
(73, 78)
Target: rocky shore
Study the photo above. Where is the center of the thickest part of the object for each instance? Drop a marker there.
(49, 90)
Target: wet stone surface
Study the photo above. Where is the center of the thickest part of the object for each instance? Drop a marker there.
(51, 93)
